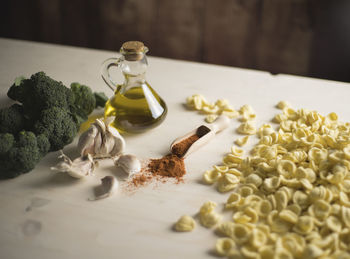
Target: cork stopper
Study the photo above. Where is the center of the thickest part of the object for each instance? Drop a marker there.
(133, 50)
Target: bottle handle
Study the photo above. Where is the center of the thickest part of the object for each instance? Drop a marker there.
(106, 65)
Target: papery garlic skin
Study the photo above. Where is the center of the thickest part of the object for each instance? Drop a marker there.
(78, 168)
(129, 163)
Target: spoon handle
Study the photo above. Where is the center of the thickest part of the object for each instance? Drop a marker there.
(220, 124)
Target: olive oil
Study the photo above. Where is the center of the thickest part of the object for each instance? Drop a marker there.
(136, 109)
(135, 105)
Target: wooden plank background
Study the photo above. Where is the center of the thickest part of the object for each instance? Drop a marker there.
(302, 37)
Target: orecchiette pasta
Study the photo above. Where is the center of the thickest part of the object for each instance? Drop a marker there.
(290, 197)
(242, 141)
(185, 223)
(224, 246)
(247, 127)
(208, 217)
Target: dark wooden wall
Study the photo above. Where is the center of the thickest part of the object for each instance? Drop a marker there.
(302, 37)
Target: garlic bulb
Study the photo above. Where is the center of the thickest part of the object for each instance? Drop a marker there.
(108, 185)
(101, 140)
(78, 168)
(129, 163)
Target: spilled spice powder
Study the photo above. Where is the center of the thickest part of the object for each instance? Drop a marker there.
(141, 179)
(168, 166)
(171, 166)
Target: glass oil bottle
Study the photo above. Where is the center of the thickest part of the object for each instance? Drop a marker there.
(135, 104)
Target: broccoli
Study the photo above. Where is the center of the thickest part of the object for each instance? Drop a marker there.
(41, 92)
(58, 126)
(47, 119)
(16, 91)
(23, 155)
(11, 119)
(43, 144)
(84, 99)
(101, 99)
(6, 143)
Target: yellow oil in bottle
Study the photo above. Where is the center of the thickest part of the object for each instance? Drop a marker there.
(136, 109)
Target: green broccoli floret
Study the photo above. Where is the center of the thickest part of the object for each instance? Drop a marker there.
(22, 157)
(11, 119)
(101, 99)
(17, 90)
(43, 144)
(84, 99)
(41, 92)
(58, 126)
(6, 143)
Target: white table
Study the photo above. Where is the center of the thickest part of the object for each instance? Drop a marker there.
(47, 215)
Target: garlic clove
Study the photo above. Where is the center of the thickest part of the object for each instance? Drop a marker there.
(78, 168)
(129, 163)
(86, 143)
(97, 144)
(109, 185)
(119, 142)
(99, 123)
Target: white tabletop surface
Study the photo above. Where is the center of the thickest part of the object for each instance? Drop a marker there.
(47, 215)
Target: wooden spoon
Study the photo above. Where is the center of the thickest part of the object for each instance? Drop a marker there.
(205, 134)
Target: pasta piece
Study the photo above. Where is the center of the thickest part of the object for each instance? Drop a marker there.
(289, 216)
(312, 251)
(248, 116)
(345, 213)
(283, 104)
(286, 168)
(242, 141)
(227, 182)
(247, 128)
(224, 246)
(233, 201)
(185, 224)
(254, 179)
(211, 176)
(334, 224)
(267, 252)
(264, 208)
(226, 228)
(320, 209)
(249, 252)
(240, 233)
(208, 217)
(237, 151)
(257, 238)
(246, 109)
(207, 207)
(211, 118)
(209, 220)
(304, 225)
(271, 184)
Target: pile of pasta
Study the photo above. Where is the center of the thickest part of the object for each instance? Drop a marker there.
(290, 197)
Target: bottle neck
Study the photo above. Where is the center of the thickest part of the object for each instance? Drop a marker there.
(134, 71)
(134, 80)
